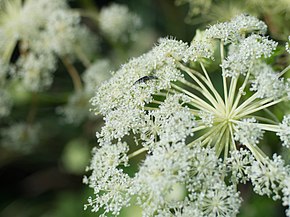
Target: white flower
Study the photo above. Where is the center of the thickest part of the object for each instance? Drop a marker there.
(268, 177)
(160, 172)
(95, 74)
(243, 55)
(238, 164)
(182, 123)
(35, 71)
(287, 45)
(236, 29)
(61, 30)
(267, 82)
(108, 180)
(118, 23)
(284, 131)
(20, 137)
(247, 132)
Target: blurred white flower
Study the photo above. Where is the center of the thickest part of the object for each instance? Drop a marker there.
(118, 23)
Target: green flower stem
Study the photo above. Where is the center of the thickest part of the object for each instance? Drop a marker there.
(224, 77)
(241, 91)
(255, 109)
(219, 144)
(73, 73)
(244, 104)
(284, 71)
(233, 146)
(267, 120)
(210, 85)
(83, 57)
(135, 153)
(192, 72)
(232, 92)
(211, 133)
(195, 129)
(205, 91)
(227, 141)
(197, 102)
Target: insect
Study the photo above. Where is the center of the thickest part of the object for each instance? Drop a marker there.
(145, 79)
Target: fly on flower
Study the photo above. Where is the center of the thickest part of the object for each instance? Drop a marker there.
(145, 79)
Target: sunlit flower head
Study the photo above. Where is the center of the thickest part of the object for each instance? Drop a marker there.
(188, 130)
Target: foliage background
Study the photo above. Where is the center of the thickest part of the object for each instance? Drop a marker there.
(48, 181)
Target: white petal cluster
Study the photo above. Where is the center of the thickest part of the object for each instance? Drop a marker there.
(267, 82)
(181, 125)
(35, 71)
(239, 163)
(20, 137)
(236, 29)
(284, 131)
(108, 180)
(166, 167)
(61, 29)
(98, 72)
(123, 91)
(286, 194)
(199, 49)
(206, 118)
(242, 57)
(24, 20)
(247, 132)
(267, 178)
(287, 45)
(172, 122)
(41, 30)
(118, 23)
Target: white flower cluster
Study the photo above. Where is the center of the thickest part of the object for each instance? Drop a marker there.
(236, 29)
(42, 30)
(118, 23)
(98, 72)
(267, 82)
(242, 56)
(284, 131)
(20, 137)
(287, 45)
(248, 132)
(182, 125)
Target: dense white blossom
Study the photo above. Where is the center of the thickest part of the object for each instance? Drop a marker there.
(247, 132)
(236, 29)
(108, 180)
(267, 178)
(244, 55)
(287, 45)
(35, 71)
(118, 23)
(284, 131)
(187, 134)
(238, 164)
(267, 82)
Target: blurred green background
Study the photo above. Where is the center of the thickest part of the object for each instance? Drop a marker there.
(47, 182)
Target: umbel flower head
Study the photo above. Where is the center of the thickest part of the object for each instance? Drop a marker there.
(189, 132)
